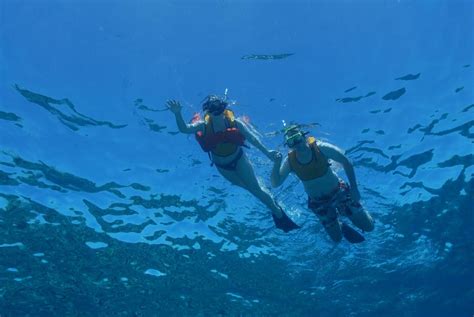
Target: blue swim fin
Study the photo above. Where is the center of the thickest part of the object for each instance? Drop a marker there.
(285, 223)
(351, 234)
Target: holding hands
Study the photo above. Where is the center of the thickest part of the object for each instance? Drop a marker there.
(275, 156)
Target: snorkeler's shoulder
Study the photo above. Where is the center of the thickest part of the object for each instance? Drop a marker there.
(328, 149)
(199, 125)
(239, 122)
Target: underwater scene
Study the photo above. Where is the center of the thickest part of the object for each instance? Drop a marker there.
(236, 158)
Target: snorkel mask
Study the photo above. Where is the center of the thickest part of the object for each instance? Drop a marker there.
(293, 136)
(214, 104)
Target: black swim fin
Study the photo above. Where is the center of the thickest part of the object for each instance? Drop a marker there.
(351, 234)
(285, 223)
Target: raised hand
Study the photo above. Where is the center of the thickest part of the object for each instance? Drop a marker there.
(174, 106)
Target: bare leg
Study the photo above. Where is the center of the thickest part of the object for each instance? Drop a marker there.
(356, 213)
(247, 176)
(361, 218)
(231, 176)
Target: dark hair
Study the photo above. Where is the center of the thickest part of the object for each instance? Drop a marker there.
(214, 102)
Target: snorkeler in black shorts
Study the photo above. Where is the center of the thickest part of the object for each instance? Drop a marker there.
(328, 196)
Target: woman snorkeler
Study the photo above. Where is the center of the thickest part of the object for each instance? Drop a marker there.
(222, 136)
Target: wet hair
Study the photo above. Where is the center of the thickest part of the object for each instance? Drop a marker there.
(214, 103)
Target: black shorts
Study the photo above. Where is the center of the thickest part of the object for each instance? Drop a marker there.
(339, 202)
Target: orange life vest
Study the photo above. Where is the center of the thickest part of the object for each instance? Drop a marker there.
(317, 167)
(221, 143)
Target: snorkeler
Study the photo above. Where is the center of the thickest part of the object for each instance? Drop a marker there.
(222, 136)
(328, 195)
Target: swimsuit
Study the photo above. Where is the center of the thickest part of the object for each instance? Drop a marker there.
(232, 165)
(329, 206)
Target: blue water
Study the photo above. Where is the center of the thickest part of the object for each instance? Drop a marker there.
(105, 210)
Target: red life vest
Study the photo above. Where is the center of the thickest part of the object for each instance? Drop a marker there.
(222, 143)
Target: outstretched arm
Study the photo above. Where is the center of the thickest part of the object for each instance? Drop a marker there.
(254, 140)
(280, 173)
(336, 154)
(175, 107)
